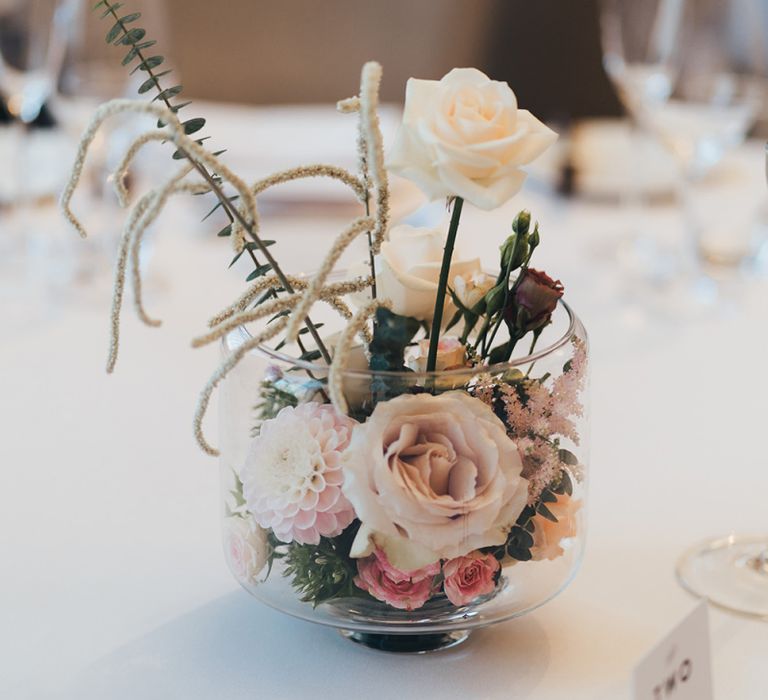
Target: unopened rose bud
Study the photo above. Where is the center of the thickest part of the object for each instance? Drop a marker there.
(522, 223)
(536, 296)
(495, 298)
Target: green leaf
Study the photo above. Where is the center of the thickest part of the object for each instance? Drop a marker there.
(114, 32)
(454, 319)
(192, 126)
(391, 336)
(177, 108)
(136, 49)
(181, 155)
(227, 231)
(567, 457)
(169, 93)
(99, 4)
(149, 63)
(218, 205)
(546, 512)
(548, 497)
(129, 18)
(152, 82)
(132, 36)
(500, 353)
(109, 10)
(260, 271)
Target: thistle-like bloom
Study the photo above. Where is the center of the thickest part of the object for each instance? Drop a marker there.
(292, 476)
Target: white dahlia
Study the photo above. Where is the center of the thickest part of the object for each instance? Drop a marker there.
(292, 476)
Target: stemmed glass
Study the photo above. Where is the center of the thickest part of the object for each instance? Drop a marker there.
(731, 571)
(693, 73)
(639, 46)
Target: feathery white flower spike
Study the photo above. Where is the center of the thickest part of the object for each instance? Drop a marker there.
(121, 172)
(312, 292)
(104, 112)
(174, 186)
(374, 148)
(225, 368)
(343, 346)
(329, 295)
(318, 170)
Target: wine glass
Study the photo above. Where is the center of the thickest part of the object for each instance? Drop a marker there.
(639, 47)
(719, 91)
(32, 43)
(732, 571)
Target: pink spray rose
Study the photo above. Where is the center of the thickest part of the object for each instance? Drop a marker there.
(470, 576)
(406, 590)
(292, 476)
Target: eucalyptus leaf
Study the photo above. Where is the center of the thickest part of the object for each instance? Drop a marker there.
(135, 50)
(260, 271)
(128, 18)
(168, 93)
(132, 36)
(192, 126)
(149, 63)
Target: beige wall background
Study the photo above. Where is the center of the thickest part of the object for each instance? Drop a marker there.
(287, 51)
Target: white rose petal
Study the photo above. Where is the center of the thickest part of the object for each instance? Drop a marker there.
(464, 136)
(408, 270)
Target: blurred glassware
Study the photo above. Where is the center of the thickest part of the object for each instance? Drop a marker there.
(639, 43)
(32, 43)
(692, 72)
(731, 572)
(719, 91)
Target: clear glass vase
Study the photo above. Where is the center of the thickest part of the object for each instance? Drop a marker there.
(497, 525)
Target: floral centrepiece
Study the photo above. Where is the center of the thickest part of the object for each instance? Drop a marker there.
(424, 452)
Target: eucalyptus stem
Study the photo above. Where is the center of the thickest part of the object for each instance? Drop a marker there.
(232, 211)
(442, 285)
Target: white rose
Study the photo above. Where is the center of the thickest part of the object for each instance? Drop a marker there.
(246, 548)
(470, 289)
(432, 477)
(464, 136)
(408, 269)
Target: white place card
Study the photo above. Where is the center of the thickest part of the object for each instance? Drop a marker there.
(679, 666)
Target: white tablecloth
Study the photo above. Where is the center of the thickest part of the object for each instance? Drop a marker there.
(112, 580)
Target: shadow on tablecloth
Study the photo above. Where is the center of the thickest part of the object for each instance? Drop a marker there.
(233, 648)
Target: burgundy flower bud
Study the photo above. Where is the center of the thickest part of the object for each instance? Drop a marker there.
(534, 300)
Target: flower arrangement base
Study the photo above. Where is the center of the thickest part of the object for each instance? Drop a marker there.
(407, 643)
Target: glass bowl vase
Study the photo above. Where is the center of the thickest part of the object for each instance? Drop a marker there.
(512, 541)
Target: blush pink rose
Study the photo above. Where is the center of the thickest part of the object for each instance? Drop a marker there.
(406, 590)
(468, 577)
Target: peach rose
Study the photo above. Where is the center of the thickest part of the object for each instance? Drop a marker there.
(548, 535)
(470, 576)
(432, 477)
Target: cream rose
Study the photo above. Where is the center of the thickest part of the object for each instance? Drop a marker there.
(464, 136)
(246, 548)
(432, 477)
(470, 289)
(408, 269)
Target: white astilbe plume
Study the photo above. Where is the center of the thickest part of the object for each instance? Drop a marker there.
(137, 237)
(142, 214)
(194, 150)
(318, 170)
(120, 174)
(374, 148)
(313, 291)
(225, 368)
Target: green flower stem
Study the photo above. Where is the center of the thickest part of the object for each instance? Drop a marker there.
(442, 285)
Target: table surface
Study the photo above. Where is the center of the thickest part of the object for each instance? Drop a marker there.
(113, 581)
